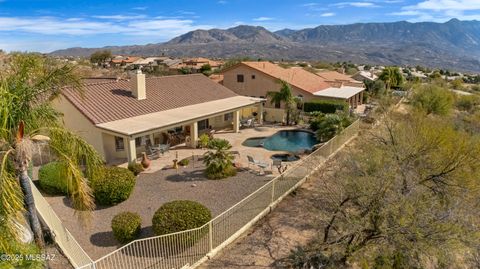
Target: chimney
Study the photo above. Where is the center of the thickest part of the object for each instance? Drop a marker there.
(138, 85)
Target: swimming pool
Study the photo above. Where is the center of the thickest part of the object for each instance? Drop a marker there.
(286, 140)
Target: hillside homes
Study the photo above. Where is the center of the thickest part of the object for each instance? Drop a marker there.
(120, 118)
(255, 79)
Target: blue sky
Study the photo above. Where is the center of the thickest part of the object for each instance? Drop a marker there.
(49, 25)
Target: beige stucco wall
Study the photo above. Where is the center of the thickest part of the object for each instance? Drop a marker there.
(259, 86)
(78, 123)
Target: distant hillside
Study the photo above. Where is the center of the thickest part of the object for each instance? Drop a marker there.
(454, 45)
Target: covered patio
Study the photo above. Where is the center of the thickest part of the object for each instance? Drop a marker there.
(124, 140)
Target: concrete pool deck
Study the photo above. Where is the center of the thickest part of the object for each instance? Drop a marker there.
(236, 139)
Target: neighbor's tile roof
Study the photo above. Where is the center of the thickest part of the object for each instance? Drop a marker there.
(297, 77)
(109, 100)
(335, 76)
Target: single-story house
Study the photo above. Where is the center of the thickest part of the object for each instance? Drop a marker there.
(365, 75)
(337, 78)
(255, 79)
(119, 118)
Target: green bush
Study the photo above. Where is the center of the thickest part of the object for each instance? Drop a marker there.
(184, 162)
(433, 99)
(467, 102)
(325, 106)
(180, 215)
(203, 141)
(126, 226)
(113, 186)
(228, 171)
(135, 168)
(52, 178)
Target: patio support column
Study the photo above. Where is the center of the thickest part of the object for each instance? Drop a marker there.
(236, 121)
(260, 113)
(131, 149)
(193, 135)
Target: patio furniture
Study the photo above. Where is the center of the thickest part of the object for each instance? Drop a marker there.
(151, 150)
(259, 164)
(163, 148)
(277, 163)
(246, 123)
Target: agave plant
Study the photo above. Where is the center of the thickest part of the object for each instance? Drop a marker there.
(28, 86)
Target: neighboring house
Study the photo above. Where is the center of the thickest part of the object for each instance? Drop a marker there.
(148, 63)
(121, 61)
(194, 65)
(119, 117)
(255, 79)
(365, 75)
(337, 78)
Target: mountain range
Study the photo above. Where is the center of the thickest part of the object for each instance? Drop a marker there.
(452, 45)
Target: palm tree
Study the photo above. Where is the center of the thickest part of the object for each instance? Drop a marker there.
(392, 76)
(220, 161)
(284, 96)
(28, 85)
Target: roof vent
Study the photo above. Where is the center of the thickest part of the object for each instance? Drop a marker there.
(138, 85)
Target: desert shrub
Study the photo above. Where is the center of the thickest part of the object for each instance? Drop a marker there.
(228, 171)
(113, 186)
(126, 226)
(466, 102)
(203, 141)
(135, 168)
(180, 215)
(184, 162)
(52, 178)
(325, 106)
(433, 99)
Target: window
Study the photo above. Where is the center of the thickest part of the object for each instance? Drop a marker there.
(138, 142)
(240, 78)
(119, 145)
(277, 104)
(253, 76)
(228, 117)
(202, 125)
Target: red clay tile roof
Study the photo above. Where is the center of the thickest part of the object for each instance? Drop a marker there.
(110, 100)
(335, 76)
(297, 77)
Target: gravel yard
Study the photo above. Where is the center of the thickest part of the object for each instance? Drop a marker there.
(151, 191)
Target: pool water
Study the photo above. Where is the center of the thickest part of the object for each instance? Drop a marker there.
(287, 140)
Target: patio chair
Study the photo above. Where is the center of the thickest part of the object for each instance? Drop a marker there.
(259, 164)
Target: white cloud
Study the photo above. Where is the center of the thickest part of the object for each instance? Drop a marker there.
(139, 8)
(166, 28)
(222, 2)
(447, 5)
(355, 4)
(441, 10)
(119, 17)
(263, 19)
(327, 14)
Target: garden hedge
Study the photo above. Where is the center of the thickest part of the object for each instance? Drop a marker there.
(126, 226)
(325, 106)
(113, 186)
(135, 168)
(180, 215)
(52, 178)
